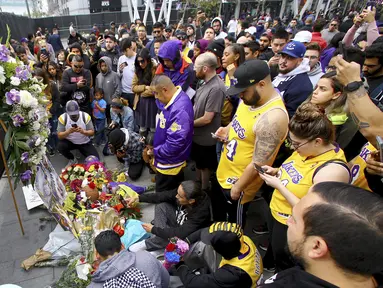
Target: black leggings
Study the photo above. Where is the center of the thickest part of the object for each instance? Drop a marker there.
(65, 146)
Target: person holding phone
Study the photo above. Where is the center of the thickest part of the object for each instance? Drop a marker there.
(317, 158)
(74, 130)
(76, 82)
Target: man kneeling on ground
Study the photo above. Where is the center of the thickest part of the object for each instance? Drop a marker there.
(74, 130)
(120, 268)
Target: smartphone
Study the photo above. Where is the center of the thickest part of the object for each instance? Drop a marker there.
(258, 168)
(74, 125)
(343, 51)
(44, 52)
(101, 36)
(218, 137)
(379, 145)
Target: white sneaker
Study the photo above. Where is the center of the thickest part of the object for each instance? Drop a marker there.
(71, 162)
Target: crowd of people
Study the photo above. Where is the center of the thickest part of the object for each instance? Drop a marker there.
(289, 113)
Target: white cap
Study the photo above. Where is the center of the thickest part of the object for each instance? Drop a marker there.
(303, 36)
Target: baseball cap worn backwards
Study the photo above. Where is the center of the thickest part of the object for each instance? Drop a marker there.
(247, 74)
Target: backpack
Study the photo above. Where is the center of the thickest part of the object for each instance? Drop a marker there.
(82, 117)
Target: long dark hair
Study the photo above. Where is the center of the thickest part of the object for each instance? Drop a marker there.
(44, 74)
(144, 76)
(59, 72)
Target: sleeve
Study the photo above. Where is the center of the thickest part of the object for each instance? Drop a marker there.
(61, 43)
(93, 104)
(89, 123)
(372, 33)
(66, 85)
(96, 55)
(349, 37)
(88, 78)
(188, 227)
(136, 88)
(176, 136)
(155, 198)
(195, 236)
(374, 182)
(103, 104)
(55, 99)
(128, 120)
(114, 116)
(189, 79)
(118, 67)
(61, 124)
(117, 91)
(227, 275)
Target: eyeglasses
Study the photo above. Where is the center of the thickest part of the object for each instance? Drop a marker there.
(78, 67)
(294, 144)
(334, 25)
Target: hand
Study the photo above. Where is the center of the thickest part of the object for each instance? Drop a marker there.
(131, 201)
(358, 20)
(274, 60)
(147, 87)
(270, 170)
(230, 70)
(100, 41)
(374, 166)
(235, 193)
(222, 133)
(346, 72)
(369, 16)
(81, 83)
(272, 181)
(80, 130)
(71, 130)
(147, 227)
(120, 154)
(122, 66)
(112, 125)
(43, 58)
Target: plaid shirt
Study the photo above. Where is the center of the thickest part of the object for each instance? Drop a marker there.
(134, 148)
(133, 278)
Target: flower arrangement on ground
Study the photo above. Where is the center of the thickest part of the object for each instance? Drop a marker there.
(174, 252)
(23, 112)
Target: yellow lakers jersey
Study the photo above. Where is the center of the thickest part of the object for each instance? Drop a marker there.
(237, 153)
(297, 174)
(357, 166)
(250, 261)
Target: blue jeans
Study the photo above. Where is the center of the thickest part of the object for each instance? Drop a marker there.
(100, 131)
(53, 139)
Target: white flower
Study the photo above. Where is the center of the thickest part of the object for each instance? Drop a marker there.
(36, 88)
(27, 100)
(15, 81)
(36, 126)
(38, 141)
(2, 76)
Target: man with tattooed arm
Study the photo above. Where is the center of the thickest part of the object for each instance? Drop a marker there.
(253, 137)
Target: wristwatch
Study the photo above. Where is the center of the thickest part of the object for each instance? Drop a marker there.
(353, 86)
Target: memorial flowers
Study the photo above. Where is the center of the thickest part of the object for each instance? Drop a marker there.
(24, 115)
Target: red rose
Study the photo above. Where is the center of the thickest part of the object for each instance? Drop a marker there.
(96, 166)
(92, 185)
(170, 247)
(119, 230)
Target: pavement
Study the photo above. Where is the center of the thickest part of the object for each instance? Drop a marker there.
(15, 247)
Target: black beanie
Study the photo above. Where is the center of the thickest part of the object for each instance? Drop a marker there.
(217, 47)
(226, 243)
(116, 138)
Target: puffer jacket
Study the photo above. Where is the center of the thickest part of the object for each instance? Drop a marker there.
(174, 132)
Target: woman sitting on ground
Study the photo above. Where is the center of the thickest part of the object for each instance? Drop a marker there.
(178, 212)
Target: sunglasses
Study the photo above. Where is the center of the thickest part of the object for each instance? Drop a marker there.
(78, 67)
(181, 37)
(156, 31)
(333, 24)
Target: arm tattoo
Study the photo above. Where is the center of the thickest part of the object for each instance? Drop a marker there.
(357, 93)
(268, 139)
(360, 124)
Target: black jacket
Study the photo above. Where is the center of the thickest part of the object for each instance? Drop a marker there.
(226, 276)
(374, 182)
(298, 278)
(75, 39)
(198, 217)
(114, 55)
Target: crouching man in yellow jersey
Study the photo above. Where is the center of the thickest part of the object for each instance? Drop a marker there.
(255, 134)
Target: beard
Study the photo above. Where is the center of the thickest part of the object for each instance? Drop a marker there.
(254, 99)
(200, 75)
(373, 74)
(296, 253)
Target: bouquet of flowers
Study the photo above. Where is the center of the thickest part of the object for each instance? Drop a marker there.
(174, 252)
(23, 115)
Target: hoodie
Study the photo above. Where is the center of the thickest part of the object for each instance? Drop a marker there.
(315, 74)
(294, 86)
(221, 34)
(113, 55)
(326, 56)
(120, 263)
(183, 74)
(109, 81)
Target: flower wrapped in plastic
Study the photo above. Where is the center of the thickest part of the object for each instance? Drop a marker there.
(174, 252)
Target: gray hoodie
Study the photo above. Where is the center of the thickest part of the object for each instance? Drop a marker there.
(110, 81)
(123, 261)
(315, 74)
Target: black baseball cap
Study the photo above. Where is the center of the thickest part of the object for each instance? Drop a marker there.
(247, 74)
(112, 23)
(169, 28)
(111, 36)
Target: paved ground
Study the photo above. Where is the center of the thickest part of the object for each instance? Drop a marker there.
(14, 247)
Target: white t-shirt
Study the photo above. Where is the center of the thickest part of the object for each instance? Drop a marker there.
(232, 26)
(127, 73)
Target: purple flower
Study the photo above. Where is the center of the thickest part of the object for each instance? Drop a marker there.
(17, 120)
(26, 175)
(12, 97)
(4, 52)
(25, 157)
(22, 73)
